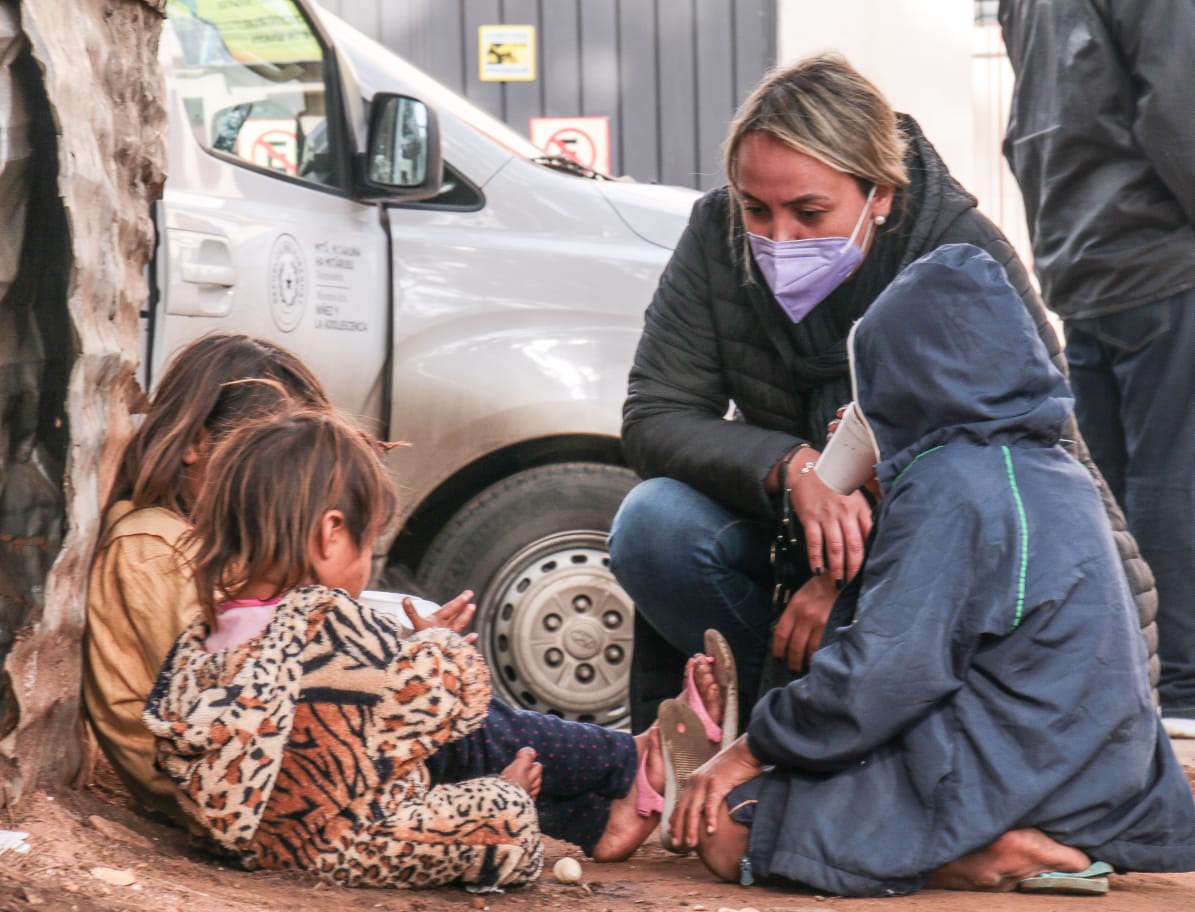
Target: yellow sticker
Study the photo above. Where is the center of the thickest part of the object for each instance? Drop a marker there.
(506, 53)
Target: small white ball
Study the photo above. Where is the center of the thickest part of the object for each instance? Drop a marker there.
(567, 870)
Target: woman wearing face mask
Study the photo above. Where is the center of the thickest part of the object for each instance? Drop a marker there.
(831, 194)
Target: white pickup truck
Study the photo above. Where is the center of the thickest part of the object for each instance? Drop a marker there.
(487, 316)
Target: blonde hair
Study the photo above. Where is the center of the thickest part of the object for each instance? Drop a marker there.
(824, 108)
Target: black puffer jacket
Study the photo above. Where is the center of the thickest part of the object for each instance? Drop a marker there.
(714, 339)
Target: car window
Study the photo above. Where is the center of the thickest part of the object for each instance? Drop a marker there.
(252, 78)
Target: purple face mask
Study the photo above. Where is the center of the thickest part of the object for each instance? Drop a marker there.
(801, 273)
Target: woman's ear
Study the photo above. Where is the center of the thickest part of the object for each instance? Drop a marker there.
(881, 203)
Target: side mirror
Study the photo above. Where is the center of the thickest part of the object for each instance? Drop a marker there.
(403, 161)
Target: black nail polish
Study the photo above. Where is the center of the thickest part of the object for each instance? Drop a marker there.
(818, 571)
(839, 584)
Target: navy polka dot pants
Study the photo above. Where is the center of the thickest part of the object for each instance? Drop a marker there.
(586, 767)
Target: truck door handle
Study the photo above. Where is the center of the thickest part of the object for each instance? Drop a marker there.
(209, 274)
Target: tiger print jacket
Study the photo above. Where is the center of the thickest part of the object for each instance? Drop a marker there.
(304, 749)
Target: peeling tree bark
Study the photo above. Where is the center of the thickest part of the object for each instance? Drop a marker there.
(99, 73)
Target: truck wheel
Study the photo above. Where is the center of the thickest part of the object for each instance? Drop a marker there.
(554, 625)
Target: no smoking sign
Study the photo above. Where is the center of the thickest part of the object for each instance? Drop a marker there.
(585, 140)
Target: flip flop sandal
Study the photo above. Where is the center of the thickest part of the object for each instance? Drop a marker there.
(726, 675)
(647, 800)
(685, 747)
(1092, 882)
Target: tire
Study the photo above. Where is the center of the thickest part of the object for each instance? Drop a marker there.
(553, 624)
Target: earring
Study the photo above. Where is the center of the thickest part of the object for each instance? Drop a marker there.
(880, 220)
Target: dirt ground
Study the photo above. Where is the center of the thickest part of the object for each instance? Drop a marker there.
(91, 853)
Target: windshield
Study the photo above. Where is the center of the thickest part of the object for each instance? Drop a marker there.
(376, 69)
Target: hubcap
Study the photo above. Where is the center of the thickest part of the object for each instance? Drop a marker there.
(557, 630)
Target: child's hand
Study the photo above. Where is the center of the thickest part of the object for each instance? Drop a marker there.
(833, 424)
(456, 615)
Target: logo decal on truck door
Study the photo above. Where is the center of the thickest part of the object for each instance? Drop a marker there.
(288, 282)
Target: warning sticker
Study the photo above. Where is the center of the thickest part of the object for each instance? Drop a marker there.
(506, 53)
(586, 140)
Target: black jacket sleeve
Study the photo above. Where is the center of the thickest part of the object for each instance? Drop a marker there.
(674, 417)
(1154, 38)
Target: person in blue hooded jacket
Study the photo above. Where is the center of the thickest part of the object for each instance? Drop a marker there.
(978, 716)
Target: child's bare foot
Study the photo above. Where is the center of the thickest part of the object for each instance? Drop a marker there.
(524, 770)
(708, 689)
(627, 829)
(1015, 856)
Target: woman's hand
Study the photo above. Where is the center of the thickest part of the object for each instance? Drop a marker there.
(456, 615)
(799, 630)
(707, 790)
(835, 526)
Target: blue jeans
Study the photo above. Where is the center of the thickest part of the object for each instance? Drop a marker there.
(1133, 374)
(689, 563)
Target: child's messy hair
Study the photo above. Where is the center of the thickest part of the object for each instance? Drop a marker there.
(268, 487)
(200, 392)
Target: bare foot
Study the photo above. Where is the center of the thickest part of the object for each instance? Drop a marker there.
(525, 771)
(708, 688)
(627, 829)
(1015, 856)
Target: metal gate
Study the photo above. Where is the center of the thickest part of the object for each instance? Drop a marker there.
(667, 73)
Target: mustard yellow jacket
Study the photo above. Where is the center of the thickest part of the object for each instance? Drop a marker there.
(140, 598)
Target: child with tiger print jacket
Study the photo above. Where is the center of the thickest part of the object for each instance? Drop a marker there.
(297, 723)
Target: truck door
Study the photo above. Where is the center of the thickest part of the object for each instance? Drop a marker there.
(258, 230)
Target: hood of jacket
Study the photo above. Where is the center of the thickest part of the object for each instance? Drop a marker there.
(948, 352)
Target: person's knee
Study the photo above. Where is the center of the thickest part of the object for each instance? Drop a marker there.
(723, 850)
(721, 865)
(672, 545)
(644, 508)
(648, 527)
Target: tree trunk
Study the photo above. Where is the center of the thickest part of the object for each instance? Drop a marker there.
(93, 91)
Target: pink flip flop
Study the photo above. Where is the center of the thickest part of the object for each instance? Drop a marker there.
(727, 677)
(647, 800)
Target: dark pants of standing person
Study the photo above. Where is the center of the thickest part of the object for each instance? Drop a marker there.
(688, 563)
(1133, 374)
(586, 767)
